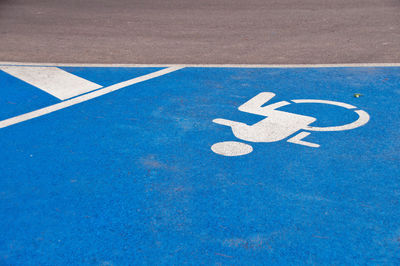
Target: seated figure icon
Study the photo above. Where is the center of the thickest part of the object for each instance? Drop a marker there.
(277, 125)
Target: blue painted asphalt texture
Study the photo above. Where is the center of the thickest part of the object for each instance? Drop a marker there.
(129, 177)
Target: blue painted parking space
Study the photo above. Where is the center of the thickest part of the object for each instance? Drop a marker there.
(200, 165)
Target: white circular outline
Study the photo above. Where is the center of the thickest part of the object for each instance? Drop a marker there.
(363, 117)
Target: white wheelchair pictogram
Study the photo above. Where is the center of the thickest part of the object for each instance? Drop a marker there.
(277, 125)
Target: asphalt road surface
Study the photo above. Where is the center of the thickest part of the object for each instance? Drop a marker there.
(206, 32)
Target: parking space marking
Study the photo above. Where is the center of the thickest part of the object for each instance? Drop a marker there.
(215, 158)
(52, 80)
(83, 98)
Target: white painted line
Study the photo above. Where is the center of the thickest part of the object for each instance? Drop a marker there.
(208, 65)
(298, 139)
(363, 118)
(83, 98)
(52, 80)
(344, 105)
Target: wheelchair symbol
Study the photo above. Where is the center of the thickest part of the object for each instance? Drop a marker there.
(277, 125)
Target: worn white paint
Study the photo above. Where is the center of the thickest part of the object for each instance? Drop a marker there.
(279, 125)
(344, 105)
(298, 139)
(363, 117)
(53, 80)
(83, 98)
(231, 148)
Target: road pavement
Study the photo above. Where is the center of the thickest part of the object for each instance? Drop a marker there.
(207, 32)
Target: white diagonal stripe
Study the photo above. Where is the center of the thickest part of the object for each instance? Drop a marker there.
(53, 80)
(83, 98)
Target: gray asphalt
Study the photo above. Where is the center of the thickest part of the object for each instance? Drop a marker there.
(194, 31)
